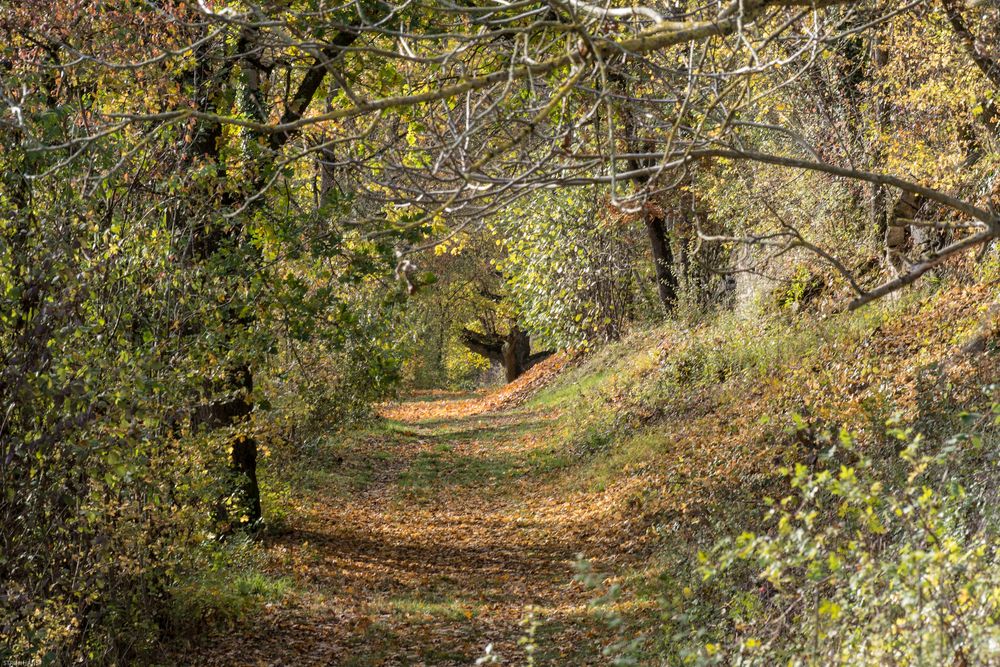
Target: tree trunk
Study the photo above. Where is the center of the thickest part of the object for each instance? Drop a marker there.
(243, 453)
(243, 465)
(656, 223)
(243, 449)
(208, 241)
(512, 351)
(515, 352)
(486, 345)
(897, 231)
(663, 259)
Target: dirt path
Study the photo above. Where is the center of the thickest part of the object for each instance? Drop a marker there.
(432, 537)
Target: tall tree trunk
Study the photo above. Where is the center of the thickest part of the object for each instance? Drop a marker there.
(243, 455)
(206, 241)
(880, 212)
(232, 412)
(890, 218)
(657, 225)
(989, 67)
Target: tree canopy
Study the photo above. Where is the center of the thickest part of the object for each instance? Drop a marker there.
(225, 222)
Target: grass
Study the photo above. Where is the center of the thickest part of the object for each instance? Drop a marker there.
(430, 609)
(483, 429)
(628, 453)
(338, 464)
(682, 403)
(261, 586)
(568, 392)
(224, 595)
(687, 410)
(431, 471)
(435, 471)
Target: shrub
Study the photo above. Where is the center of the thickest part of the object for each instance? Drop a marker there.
(863, 565)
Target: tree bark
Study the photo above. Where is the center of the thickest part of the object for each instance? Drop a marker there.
(485, 345)
(207, 241)
(512, 351)
(987, 65)
(663, 260)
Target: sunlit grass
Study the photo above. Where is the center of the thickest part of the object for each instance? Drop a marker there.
(430, 609)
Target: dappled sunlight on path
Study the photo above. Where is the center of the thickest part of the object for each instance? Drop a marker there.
(448, 532)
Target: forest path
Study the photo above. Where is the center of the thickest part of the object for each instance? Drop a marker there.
(428, 538)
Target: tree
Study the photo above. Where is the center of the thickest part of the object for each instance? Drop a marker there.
(512, 351)
(530, 120)
(191, 190)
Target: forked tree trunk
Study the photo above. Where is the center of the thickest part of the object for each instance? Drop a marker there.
(512, 351)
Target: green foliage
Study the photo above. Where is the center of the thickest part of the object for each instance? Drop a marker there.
(571, 266)
(802, 287)
(334, 379)
(866, 565)
(674, 405)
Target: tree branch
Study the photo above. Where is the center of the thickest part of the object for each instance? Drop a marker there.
(989, 219)
(310, 84)
(923, 267)
(660, 36)
(989, 67)
(487, 345)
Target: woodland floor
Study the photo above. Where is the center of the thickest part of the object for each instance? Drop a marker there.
(423, 540)
(432, 532)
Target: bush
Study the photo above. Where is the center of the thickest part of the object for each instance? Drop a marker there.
(863, 565)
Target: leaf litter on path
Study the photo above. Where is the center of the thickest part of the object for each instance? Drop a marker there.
(451, 543)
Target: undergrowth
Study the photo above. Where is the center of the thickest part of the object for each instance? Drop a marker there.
(230, 585)
(879, 562)
(881, 547)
